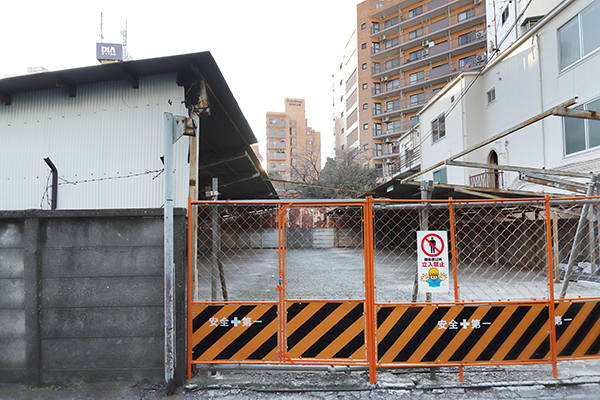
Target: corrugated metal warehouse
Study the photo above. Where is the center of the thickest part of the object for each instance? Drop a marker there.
(102, 127)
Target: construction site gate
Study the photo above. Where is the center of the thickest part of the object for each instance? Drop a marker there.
(394, 283)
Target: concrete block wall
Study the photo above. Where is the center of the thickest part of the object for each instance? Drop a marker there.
(81, 295)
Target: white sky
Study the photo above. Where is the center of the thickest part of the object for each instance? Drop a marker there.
(267, 50)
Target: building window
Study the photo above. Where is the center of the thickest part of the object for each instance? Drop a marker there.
(438, 128)
(582, 134)
(390, 22)
(467, 62)
(364, 66)
(309, 133)
(374, 27)
(417, 99)
(309, 142)
(377, 150)
(341, 82)
(580, 36)
(376, 87)
(363, 46)
(491, 95)
(440, 176)
(341, 99)
(415, 34)
(375, 47)
(470, 13)
(393, 84)
(365, 86)
(377, 128)
(342, 130)
(505, 15)
(363, 25)
(417, 77)
(366, 146)
(365, 127)
(376, 68)
(365, 106)
(414, 120)
(376, 108)
(342, 115)
(466, 38)
(415, 55)
(393, 105)
(415, 11)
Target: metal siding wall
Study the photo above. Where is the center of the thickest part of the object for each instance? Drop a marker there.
(105, 141)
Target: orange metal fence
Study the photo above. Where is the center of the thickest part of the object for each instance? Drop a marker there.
(336, 282)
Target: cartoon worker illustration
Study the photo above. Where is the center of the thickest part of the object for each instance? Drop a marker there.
(434, 278)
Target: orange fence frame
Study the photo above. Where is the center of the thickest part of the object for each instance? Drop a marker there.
(370, 305)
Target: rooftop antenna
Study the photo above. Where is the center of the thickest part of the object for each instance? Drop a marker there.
(101, 28)
(126, 56)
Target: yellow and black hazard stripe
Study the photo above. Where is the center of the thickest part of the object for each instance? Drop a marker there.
(431, 334)
(326, 330)
(577, 329)
(234, 332)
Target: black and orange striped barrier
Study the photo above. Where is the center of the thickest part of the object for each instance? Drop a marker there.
(462, 334)
(234, 332)
(326, 330)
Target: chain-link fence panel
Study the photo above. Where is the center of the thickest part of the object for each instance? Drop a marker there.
(501, 250)
(237, 257)
(396, 225)
(575, 240)
(324, 252)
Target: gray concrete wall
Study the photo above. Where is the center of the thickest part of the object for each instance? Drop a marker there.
(81, 295)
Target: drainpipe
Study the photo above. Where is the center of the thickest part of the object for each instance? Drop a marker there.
(54, 182)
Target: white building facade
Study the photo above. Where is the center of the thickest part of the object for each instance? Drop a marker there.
(553, 62)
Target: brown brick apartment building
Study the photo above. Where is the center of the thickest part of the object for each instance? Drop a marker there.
(292, 146)
(406, 51)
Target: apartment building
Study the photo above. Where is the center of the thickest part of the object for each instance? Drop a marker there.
(293, 147)
(550, 64)
(407, 51)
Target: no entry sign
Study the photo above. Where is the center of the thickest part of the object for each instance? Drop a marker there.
(432, 256)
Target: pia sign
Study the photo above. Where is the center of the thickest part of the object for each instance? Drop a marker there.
(109, 51)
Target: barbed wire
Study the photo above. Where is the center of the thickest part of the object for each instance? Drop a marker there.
(157, 173)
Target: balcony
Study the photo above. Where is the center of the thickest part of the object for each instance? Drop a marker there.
(406, 164)
(435, 75)
(428, 55)
(277, 156)
(427, 11)
(488, 179)
(435, 30)
(276, 145)
(276, 133)
(398, 127)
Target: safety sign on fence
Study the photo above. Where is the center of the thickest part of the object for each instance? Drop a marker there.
(234, 332)
(432, 256)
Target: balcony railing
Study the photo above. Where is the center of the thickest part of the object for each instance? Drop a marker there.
(394, 127)
(394, 85)
(409, 160)
(488, 179)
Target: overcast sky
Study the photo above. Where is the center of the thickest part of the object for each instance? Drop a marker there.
(267, 50)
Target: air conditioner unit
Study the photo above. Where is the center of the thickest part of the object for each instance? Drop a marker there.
(480, 34)
(480, 58)
(384, 78)
(385, 119)
(425, 43)
(383, 17)
(425, 53)
(382, 37)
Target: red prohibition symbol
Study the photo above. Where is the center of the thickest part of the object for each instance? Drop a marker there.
(432, 245)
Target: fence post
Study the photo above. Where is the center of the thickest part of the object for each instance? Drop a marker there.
(370, 288)
(551, 286)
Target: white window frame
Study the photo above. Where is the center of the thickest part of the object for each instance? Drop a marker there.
(491, 95)
(582, 56)
(439, 136)
(586, 132)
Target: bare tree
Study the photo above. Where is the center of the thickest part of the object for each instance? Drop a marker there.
(306, 167)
